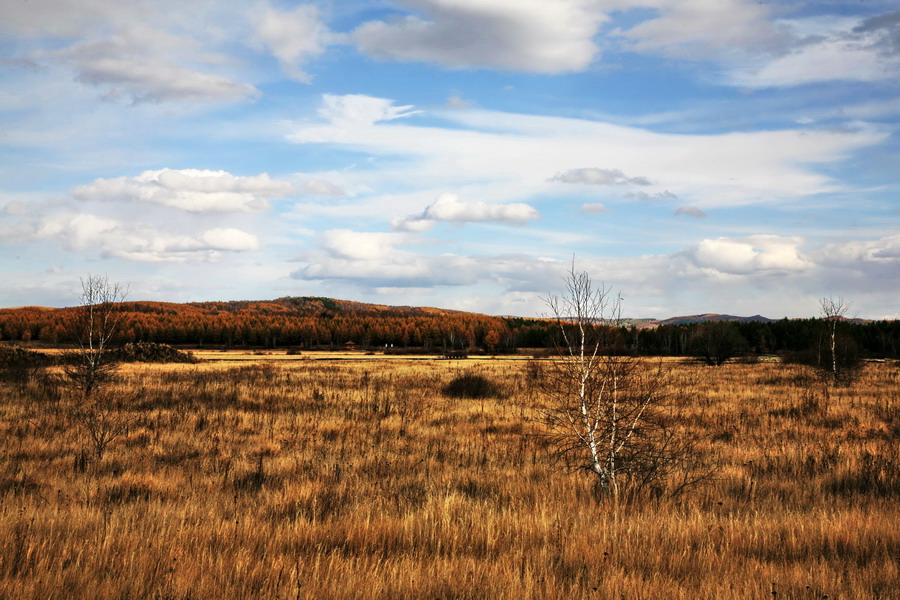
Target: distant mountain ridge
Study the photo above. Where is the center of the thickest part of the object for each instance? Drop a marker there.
(704, 318)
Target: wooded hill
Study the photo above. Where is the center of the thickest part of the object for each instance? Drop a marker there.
(325, 323)
(307, 322)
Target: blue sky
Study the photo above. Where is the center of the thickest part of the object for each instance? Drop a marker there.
(698, 155)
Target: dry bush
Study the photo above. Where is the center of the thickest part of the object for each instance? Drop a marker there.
(473, 385)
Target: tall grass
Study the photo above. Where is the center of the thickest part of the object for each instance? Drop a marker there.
(363, 480)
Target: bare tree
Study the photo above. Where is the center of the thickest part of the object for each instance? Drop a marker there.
(714, 342)
(837, 357)
(103, 421)
(605, 412)
(90, 363)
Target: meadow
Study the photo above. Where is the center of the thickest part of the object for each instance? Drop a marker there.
(264, 477)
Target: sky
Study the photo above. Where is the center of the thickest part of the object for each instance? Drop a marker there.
(726, 156)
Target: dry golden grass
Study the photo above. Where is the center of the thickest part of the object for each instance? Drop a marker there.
(359, 479)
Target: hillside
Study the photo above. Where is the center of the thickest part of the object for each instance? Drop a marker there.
(310, 322)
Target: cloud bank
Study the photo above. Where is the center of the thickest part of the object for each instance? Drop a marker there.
(192, 190)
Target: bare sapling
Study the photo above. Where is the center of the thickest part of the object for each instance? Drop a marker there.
(91, 364)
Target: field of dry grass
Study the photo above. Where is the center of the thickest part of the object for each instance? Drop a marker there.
(360, 479)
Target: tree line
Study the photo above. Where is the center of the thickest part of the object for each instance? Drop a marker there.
(322, 323)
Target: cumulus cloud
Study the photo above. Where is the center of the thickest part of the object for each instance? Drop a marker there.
(595, 176)
(136, 242)
(518, 35)
(377, 259)
(720, 275)
(79, 230)
(883, 252)
(689, 211)
(192, 190)
(751, 254)
(449, 208)
(229, 238)
(292, 36)
(594, 208)
(399, 270)
(148, 65)
(356, 245)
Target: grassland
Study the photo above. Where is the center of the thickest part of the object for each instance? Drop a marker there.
(327, 479)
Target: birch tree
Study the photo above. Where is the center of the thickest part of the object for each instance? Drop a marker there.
(91, 363)
(92, 328)
(604, 412)
(837, 356)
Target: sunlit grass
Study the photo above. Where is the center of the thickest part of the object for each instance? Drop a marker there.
(360, 479)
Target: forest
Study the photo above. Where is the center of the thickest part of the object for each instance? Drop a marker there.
(324, 323)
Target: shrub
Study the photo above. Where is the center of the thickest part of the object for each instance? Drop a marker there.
(473, 385)
(151, 352)
(13, 356)
(18, 365)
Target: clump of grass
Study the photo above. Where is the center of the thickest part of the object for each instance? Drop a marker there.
(473, 385)
(134, 487)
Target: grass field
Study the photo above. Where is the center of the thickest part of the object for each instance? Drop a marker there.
(326, 479)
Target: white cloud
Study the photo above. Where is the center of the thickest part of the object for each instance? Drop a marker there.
(690, 211)
(518, 35)
(359, 109)
(708, 29)
(595, 176)
(193, 190)
(229, 238)
(148, 65)
(347, 244)
(719, 275)
(645, 197)
(319, 187)
(510, 157)
(828, 60)
(757, 49)
(449, 208)
(749, 255)
(883, 252)
(136, 242)
(292, 36)
(594, 208)
(79, 230)
(69, 18)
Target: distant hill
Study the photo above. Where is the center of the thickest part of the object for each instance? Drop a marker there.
(309, 321)
(710, 317)
(296, 306)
